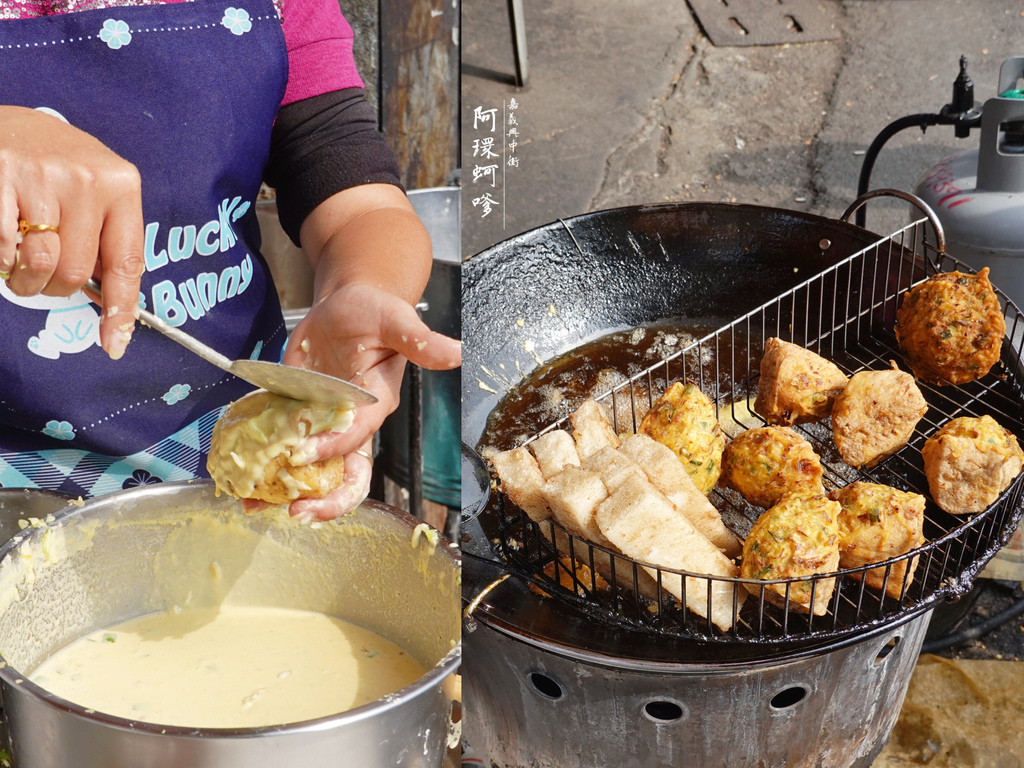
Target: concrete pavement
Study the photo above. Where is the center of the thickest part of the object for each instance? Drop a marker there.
(629, 102)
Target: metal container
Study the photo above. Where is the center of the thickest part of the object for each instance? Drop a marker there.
(978, 194)
(131, 553)
(528, 699)
(18, 504)
(546, 685)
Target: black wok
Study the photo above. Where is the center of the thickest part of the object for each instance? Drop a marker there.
(545, 292)
(625, 267)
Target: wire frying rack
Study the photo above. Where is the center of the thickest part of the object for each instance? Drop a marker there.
(846, 314)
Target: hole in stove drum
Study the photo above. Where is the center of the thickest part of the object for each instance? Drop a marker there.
(663, 711)
(886, 650)
(545, 686)
(789, 697)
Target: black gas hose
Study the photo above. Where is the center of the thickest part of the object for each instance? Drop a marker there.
(962, 113)
(974, 631)
(923, 121)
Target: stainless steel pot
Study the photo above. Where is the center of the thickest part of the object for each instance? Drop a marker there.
(138, 552)
(439, 210)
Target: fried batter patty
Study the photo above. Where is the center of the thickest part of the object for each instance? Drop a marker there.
(684, 420)
(969, 462)
(951, 328)
(767, 463)
(876, 415)
(796, 385)
(877, 523)
(799, 536)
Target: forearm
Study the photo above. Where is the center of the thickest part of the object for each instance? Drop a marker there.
(372, 259)
(368, 235)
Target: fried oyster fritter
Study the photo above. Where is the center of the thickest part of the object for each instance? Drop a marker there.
(796, 385)
(951, 328)
(767, 463)
(969, 462)
(799, 536)
(877, 523)
(876, 415)
(684, 420)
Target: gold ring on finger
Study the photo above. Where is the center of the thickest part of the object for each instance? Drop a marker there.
(24, 228)
(365, 455)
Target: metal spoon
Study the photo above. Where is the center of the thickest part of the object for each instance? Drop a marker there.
(297, 383)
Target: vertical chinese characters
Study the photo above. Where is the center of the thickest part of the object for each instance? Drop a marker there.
(488, 157)
(483, 151)
(512, 134)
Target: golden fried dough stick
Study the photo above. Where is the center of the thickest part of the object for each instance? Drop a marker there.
(573, 496)
(591, 429)
(522, 482)
(614, 467)
(644, 525)
(554, 451)
(669, 476)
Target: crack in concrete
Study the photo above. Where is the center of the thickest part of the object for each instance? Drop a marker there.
(657, 115)
(816, 189)
(694, 64)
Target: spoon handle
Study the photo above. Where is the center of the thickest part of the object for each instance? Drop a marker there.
(208, 354)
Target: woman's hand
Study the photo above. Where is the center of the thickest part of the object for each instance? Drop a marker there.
(372, 259)
(53, 174)
(364, 335)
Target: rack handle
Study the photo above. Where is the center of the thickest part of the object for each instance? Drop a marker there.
(914, 200)
(467, 612)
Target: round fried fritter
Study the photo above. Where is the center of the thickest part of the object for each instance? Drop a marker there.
(877, 523)
(684, 420)
(283, 483)
(951, 328)
(969, 462)
(876, 415)
(256, 449)
(796, 385)
(767, 463)
(799, 536)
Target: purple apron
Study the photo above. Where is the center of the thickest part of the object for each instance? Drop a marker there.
(188, 92)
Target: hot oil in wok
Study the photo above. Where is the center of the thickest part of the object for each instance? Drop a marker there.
(721, 368)
(552, 391)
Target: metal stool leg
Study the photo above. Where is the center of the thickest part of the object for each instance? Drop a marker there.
(515, 13)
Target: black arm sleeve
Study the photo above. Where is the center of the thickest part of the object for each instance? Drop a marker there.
(320, 146)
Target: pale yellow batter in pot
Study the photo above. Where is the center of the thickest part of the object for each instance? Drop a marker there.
(232, 667)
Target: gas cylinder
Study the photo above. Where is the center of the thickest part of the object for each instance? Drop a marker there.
(978, 194)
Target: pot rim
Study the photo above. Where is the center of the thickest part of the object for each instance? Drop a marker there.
(9, 676)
